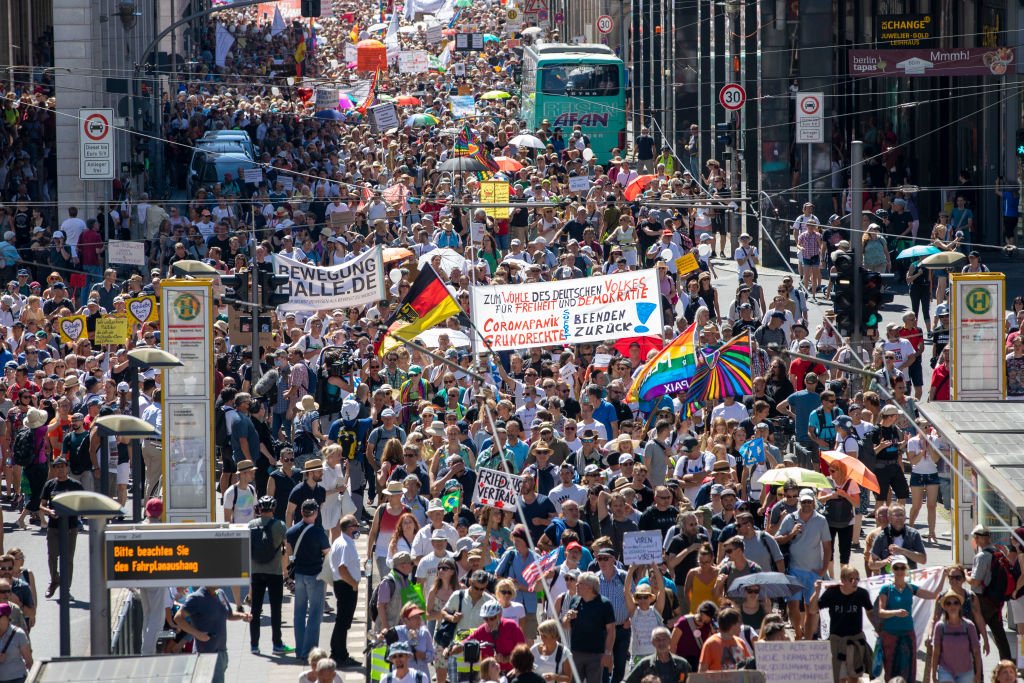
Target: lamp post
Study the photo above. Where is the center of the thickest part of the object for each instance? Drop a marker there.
(143, 359)
(97, 508)
(122, 427)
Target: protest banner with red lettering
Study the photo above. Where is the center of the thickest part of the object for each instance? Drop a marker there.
(598, 308)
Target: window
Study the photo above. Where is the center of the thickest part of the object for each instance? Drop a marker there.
(580, 80)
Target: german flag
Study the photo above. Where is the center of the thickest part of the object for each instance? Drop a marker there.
(428, 304)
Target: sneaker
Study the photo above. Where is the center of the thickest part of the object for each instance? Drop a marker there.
(349, 663)
(283, 650)
(255, 649)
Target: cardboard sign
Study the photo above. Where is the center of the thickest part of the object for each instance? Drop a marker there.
(739, 676)
(413, 62)
(687, 263)
(72, 328)
(579, 183)
(803, 661)
(287, 182)
(122, 251)
(434, 35)
(341, 219)
(602, 361)
(252, 175)
(642, 547)
(383, 117)
(111, 330)
(495, 192)
(496, 489)
(143, 309)
(465, 89)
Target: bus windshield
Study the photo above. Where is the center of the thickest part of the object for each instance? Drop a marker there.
(580, 80)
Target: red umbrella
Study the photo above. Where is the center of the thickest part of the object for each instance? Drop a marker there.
(448, 32)
(638, 185)
(509, 164)
(647, 344)
(407, 100)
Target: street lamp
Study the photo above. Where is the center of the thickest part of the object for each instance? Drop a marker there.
(143, 359)
(122, 427)
(192, 269)
(97, 508)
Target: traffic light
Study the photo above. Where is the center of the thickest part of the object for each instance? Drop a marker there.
(310, 8)
(842, 292)
(1020, 142)
(270, 297)
(724, 133)
(872, 299)
(236, 289)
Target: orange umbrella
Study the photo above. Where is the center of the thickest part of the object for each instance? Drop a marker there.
(393, 254)
(855, 469)
(638, 185)
(407, 100)
(509, 164)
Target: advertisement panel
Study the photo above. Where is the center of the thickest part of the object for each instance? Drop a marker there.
(967, 61)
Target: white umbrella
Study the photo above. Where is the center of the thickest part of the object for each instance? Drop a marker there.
(430, 337)
(407, 29)
(377, 27)
(533, 31)
(450, 259)
(527, 140)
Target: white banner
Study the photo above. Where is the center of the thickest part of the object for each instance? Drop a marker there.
(311, 288)
(131, 253)
(600, 308)
(496, 489)
(927, 578)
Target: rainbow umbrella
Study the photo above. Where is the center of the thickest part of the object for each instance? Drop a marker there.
(726, 372)
(422, 121)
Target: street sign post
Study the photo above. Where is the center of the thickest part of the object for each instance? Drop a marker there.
(96, 144)
(810, 128)
(732, 96)
(605, 24)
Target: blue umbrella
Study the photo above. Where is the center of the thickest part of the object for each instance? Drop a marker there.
(918, 251)
(772, 584)
(329, 115)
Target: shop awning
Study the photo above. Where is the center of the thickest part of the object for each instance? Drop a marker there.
(990, 437)
(183, 668)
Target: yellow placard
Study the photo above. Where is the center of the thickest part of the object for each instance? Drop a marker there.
(111, 330)
(687, 263)
(495, 192)
(72, 328)
(465, 90)
(143, 309)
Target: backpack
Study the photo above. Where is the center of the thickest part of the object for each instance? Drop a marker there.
(79, 461)
(1003, 576)
(348, 440)
(24, 449)
(865, 450)
(261, 542)
(375, 595)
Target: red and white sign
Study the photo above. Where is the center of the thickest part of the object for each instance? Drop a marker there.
(732, 96)
(536, 7)
(605, 24)
(96, 144)
(810, 117)
(496, 489)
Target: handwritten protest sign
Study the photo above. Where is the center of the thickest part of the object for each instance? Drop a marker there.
(123, 251)
(738, 676)
(496, 489)
(642, 547)
(72, 328)
(568, 311)
(579, 183)
(252, 175)
(687, 263)
(111, 330)
(802, 661)
(495, 192)
(143, 309)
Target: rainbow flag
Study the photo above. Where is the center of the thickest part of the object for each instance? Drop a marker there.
(466, 144)
(371, 96)
(726, 372)
(669, 371)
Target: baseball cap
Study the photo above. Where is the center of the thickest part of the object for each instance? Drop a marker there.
(806, 494)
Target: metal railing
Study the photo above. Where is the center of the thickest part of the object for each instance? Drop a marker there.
(126, 635)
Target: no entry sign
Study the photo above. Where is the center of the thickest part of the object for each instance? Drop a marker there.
(96, 144)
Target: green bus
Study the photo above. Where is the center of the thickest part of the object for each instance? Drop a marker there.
(576, 85)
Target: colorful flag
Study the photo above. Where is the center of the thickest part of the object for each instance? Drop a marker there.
(669, 371)
(371, 96)
(726, 372)
(428, 304)
(752, 452)
(452, 500)
(300, 52)
(354, 33)
(278, 26)
(365, 195)
(537, 568)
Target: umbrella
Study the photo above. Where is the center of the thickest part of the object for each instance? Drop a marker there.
(422, 121)
(394, 254)
(448, 32)
(638, 185)
(773, 585)
(532, 31)
(917, 251)
(726, 372)
(456, 337)
(527, 140)
(329, 115)
(647, 344)
(377, 27)
(495, 95)
(943, 260)
(462, 164)
(463, 3)
(508, 164)
(345, 103)
(490, 38)
(804, 478)
(855, 469)
(407, 100)
(450, 259)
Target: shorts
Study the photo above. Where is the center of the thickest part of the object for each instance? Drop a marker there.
(1017, 610)
(943, 675)
(924, 479)
(124, 471)
(915, 372)
(1010, 226)
(812, 261)
(229, 466)
(807, 580)
(892, 477)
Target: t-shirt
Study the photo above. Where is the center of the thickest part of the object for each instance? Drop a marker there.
(54, 487)
(309, 557)
(805, 550)
(540, 507)
(242, 501)
(589, 628)
(13, 666)
(891, 453)
(616, 530)
(846, 612)
(678, 544)
(208, 612)
(959, 645)
(719, 655)
(303, 492)
(899, 599)
(662, 520)
(802, 403)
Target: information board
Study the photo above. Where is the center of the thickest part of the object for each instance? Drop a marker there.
(154, 557)
(977, 340)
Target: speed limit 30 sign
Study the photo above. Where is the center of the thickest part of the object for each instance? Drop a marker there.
(732, 96)
(605, 24)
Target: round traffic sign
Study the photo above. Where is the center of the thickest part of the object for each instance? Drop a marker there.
(605, 24)
(809, 104)
(512, 14)
(96, 126)
(732, 96)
